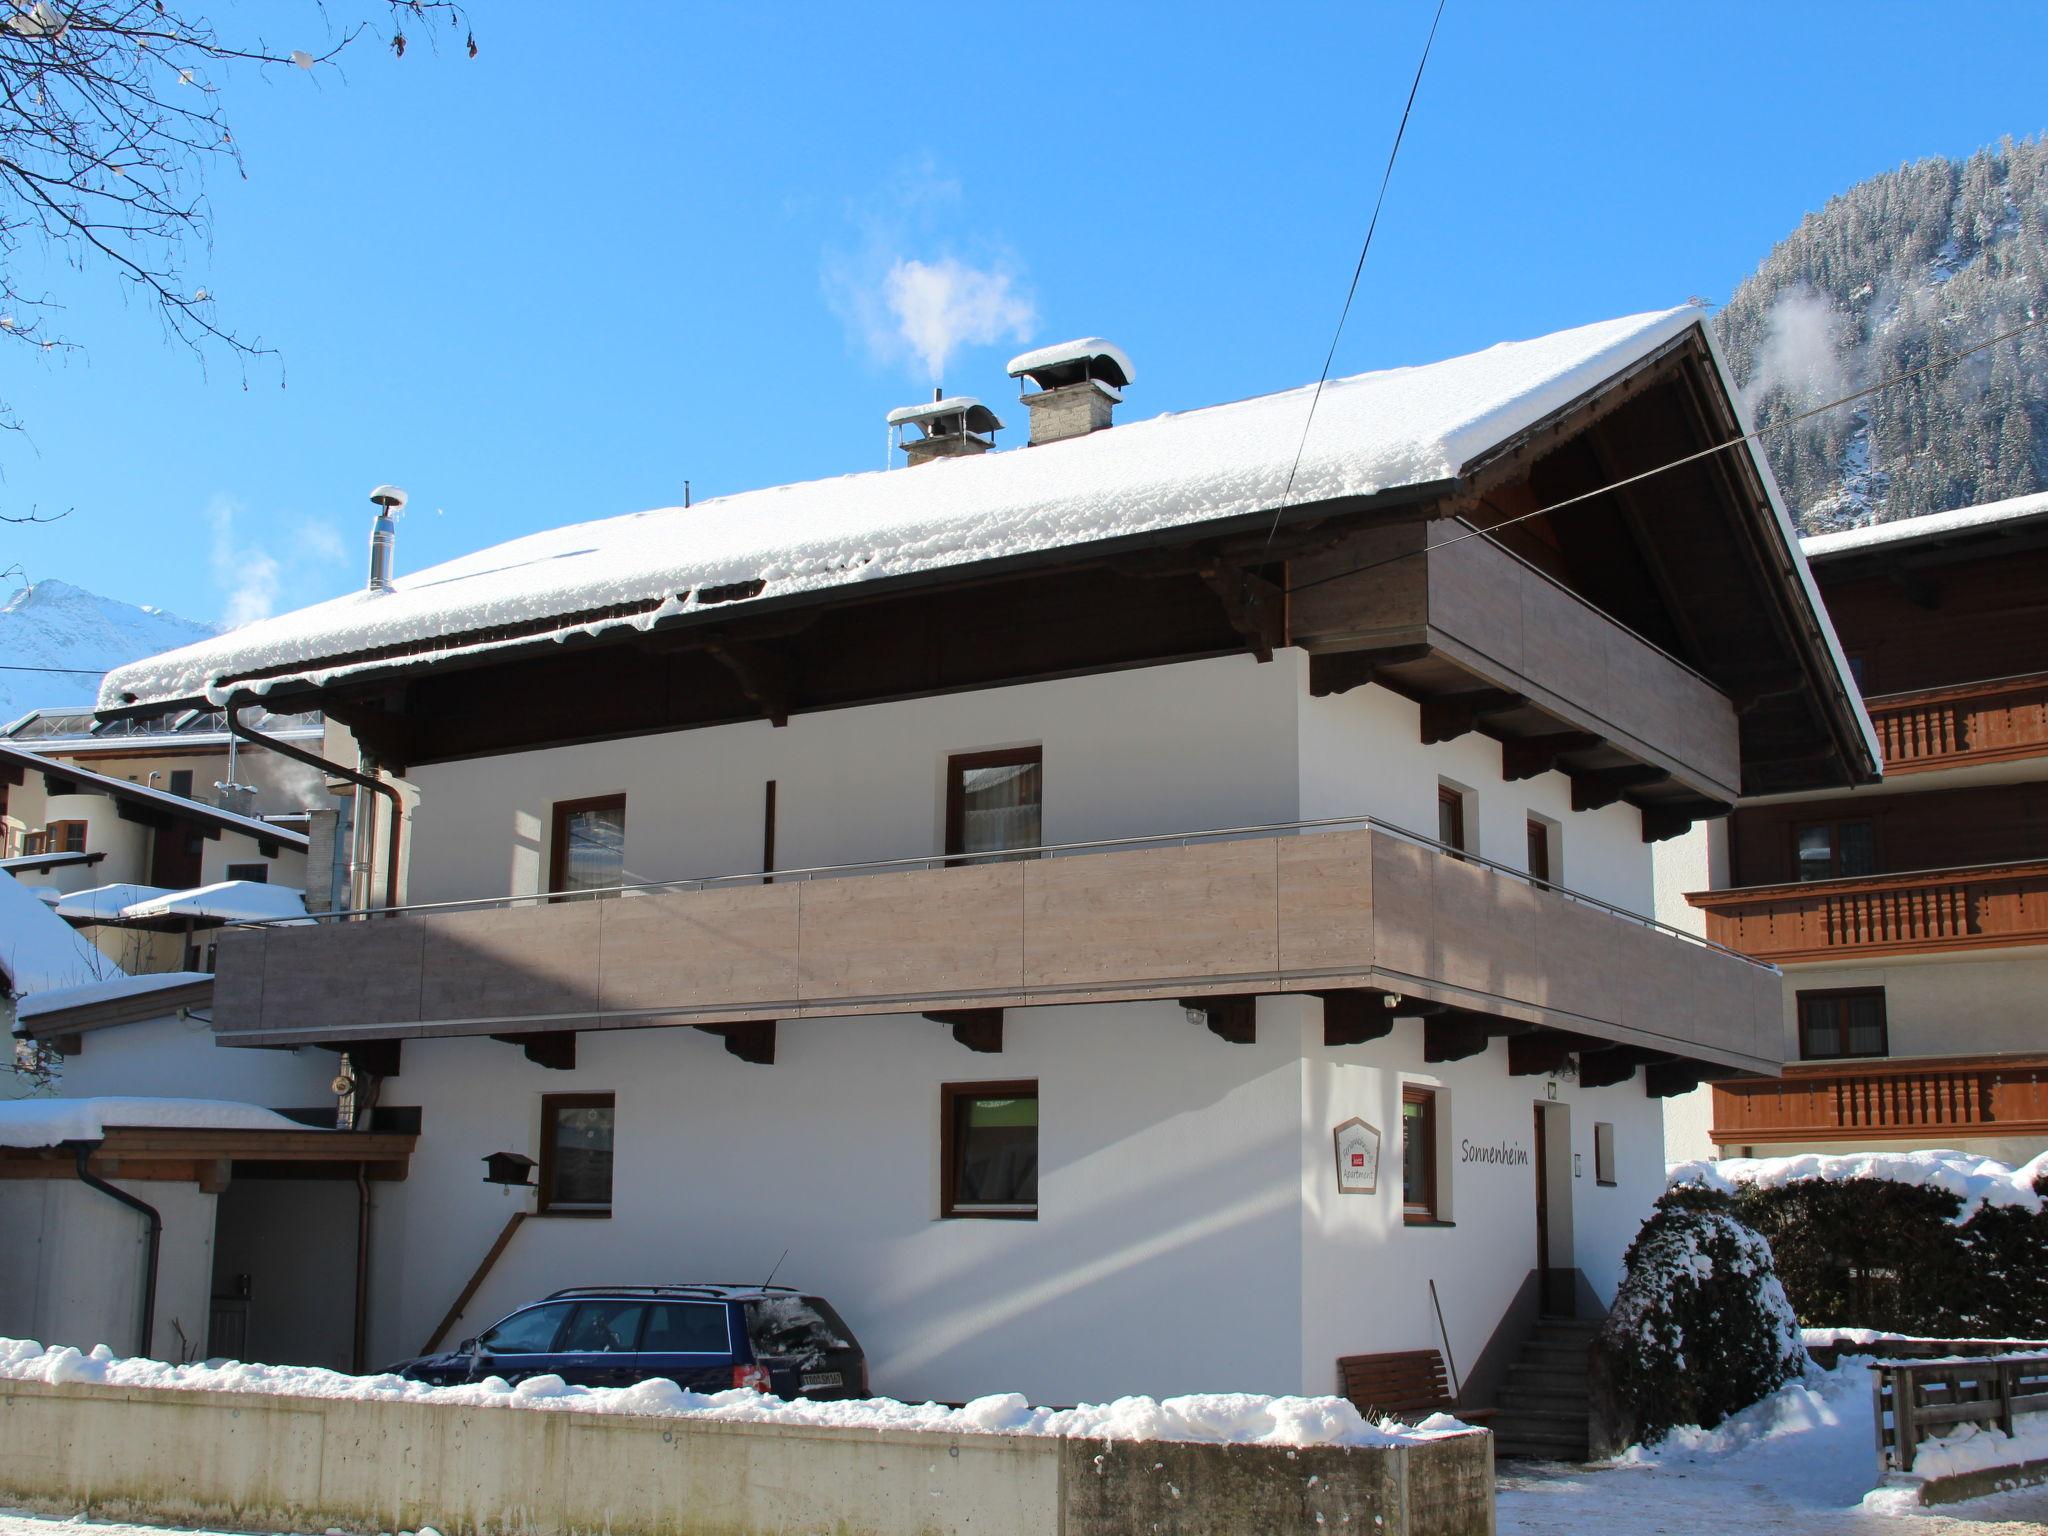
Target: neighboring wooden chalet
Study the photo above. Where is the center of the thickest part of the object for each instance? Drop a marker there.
(1912, 917)
(1034, 867)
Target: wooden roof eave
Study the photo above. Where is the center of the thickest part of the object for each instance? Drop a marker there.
(109, 1012)
(207, 1156)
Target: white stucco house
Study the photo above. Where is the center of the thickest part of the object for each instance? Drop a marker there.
(1115, 923)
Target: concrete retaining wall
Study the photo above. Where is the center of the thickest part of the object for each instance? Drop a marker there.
(271, 1463)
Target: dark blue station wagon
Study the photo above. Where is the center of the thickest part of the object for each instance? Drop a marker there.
(705, 1338)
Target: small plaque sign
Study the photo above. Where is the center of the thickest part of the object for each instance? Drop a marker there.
(1358, 1158)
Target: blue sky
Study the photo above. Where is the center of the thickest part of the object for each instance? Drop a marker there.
(632, 245)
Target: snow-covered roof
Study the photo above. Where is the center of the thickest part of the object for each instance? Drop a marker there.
(230, 901)
(105, 903)
(38, 949)
(48, 1122)
(976, 416)
(1105, 359)
(1933, 525)
(1373, 433)
(57, 999)
(128, 789)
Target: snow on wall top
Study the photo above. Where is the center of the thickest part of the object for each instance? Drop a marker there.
(232, 901)
(1905, 529)
(38, 949)
(47, 1122)
(59, 998)
(1373, 432)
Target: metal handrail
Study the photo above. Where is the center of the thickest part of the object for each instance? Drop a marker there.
(1006, 855)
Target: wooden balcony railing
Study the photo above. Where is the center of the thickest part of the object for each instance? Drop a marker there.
(1978, 907)
(1997, 721)
(1886, 1101)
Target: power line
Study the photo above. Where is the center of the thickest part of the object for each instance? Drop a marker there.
(1356, 272)
(1690, 458)
(74, 671)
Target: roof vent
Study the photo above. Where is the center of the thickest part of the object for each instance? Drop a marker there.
(950, 427)
(389, 501)
(1079, 383)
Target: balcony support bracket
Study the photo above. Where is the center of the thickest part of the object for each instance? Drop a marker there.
(1596, 790)
(1233, 1017)
(764, 676)
(554, 1049)
(1457, 1033)
(1447, 716)
(1355, 1015)
(1526, 757)
(753, 1042)
(1544, 1050)
(1252, 605)
(1616, 1064)
(979, 1029)
(1332, 672)
(1668, 1079)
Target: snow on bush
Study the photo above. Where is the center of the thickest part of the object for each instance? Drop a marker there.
(1239, 1418)
(1936, 1243)
(1700, 1326)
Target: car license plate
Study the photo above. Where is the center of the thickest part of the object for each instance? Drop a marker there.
(817, 1381)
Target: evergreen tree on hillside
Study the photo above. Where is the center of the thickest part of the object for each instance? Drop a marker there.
(1908, 266)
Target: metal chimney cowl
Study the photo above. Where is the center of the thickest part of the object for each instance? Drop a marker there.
(1078, 383)
(389, 501)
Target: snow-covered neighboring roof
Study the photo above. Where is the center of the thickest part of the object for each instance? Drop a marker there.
(47, 1122)
(38, 949)
(1083, 349)
(230, 901)
(104, 903)
(1905, 530)
(1373, 433)
(59, 998)
(128, 789)
(1968, 1175)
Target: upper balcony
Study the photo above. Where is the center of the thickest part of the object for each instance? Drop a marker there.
(1379, 923)
(1918, 912)
(1999, 720)
(1887, 1101)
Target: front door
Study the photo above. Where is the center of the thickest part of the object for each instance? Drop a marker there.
(1555, 1262)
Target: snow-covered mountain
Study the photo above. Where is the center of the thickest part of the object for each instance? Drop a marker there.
(54, 624)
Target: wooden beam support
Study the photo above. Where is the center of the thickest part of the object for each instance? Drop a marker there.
(379, 1058)
(1253, 606)
(979, 1029)
(1604, 786)
(766, 677)
(1447, 716)
(1668, 1079)
(1332, 672)
(1616, 1064)
(1454, 1036)
(753, 1042)
(554, 1049)
(1544, 1050)
(215, 1176)
(1354, 1015)
(1662, 821)
(1748, 691)
(1232, 1017)
(1525, 757)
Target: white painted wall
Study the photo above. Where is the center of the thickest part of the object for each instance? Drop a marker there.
(177, 1059)
(71, 1268)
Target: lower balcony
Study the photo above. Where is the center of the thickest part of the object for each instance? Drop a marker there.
(1999, 721)
(1381, 924)
(1919, 912)
(1887, 1101)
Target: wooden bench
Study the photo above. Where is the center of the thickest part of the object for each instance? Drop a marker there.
(1408, 1384)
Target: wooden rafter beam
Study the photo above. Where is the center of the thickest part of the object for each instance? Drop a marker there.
(1662, 821)
(1603, 786)
(1233, 1017)
(1253, 606)
(979, 1029)
(1355, 1015)
(1668, 1079)
(554, 1049)
(378, 1058)
(754, 1042)
(1616, 1064)
(1458, 1033)
(1545, 1050)
(1525, 757)
(1332, 672)
(1447, 716)
(765, 676)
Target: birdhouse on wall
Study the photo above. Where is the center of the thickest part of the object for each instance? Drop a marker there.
(509, 1168)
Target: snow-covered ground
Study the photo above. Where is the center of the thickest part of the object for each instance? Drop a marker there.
(1802, 1463)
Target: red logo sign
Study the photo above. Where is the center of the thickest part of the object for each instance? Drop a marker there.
(1358, 1159)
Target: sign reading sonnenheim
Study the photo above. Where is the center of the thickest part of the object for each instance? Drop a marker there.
(1510, 1153)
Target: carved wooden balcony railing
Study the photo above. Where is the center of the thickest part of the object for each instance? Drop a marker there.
(1886, 1100)
(1978, 907)
(1997, 721)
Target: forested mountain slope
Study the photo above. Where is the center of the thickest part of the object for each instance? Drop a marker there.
(1913, 264)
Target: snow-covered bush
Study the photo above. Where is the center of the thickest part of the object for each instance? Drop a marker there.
(1700, 1326)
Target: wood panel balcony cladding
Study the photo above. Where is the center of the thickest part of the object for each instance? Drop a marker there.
(2000, 721)
(1981, 907)
(1260, 914)
(1887, 1100)
(1447, 615)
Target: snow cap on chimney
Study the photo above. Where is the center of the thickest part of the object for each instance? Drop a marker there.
(951, 427)
(1078, 383)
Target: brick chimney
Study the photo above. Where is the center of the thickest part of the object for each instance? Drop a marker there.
(1078, 384)
(950, 427)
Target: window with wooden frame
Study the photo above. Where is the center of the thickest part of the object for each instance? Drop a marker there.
(64, 837)
(181, 782)
(1845, 1021)
(988, 1150)
(1834, 850)
(1418, 1154)
(1540, 834)
(995, 801)
(258, 874)
(32, 842)
(1450, 817)
(576, 1153)
(1603, 1154)
(587, 847)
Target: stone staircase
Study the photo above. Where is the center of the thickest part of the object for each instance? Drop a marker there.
(1541, 1413)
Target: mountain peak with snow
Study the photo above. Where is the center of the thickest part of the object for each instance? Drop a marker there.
(56, 624)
